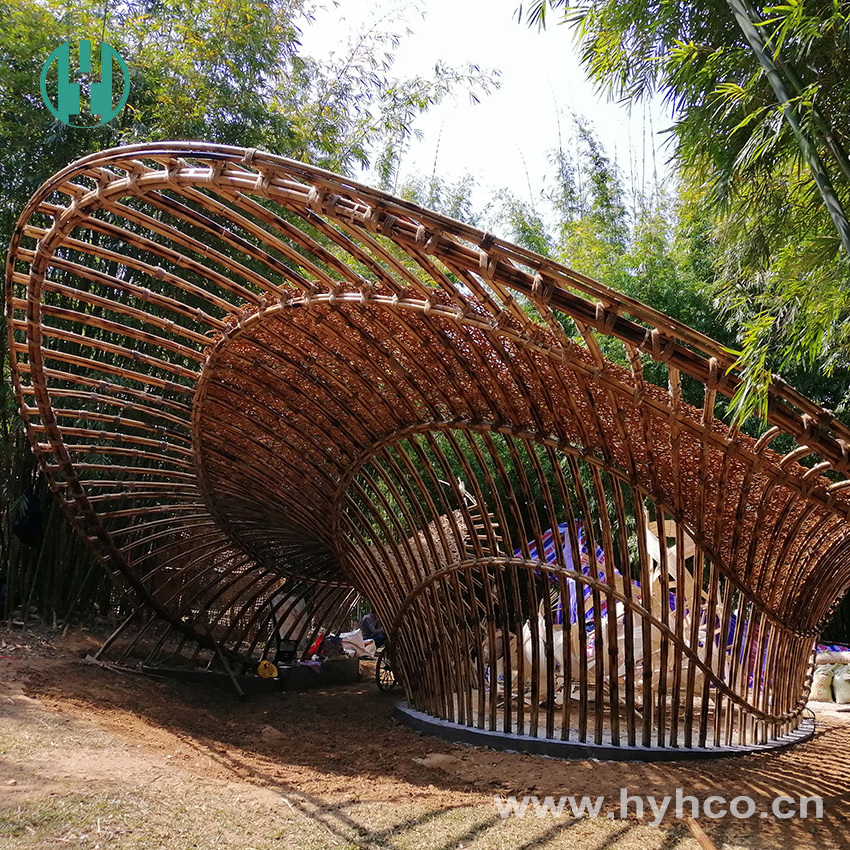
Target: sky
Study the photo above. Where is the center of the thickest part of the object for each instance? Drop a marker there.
(506, 139)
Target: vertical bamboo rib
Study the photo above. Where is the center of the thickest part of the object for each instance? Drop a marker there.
(249, 380)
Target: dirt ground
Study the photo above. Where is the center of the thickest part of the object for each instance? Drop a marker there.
(93, 758)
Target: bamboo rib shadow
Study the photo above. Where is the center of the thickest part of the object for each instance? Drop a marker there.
(216, 727)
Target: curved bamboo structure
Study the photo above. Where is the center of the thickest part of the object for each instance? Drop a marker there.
(259, 389)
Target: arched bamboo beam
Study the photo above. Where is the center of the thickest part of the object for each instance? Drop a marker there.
(249, 379)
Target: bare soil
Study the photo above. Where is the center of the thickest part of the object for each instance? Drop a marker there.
(90, 757)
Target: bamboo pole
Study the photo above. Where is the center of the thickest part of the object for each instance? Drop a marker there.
(257, 377)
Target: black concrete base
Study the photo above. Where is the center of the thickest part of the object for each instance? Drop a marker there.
(578, 750)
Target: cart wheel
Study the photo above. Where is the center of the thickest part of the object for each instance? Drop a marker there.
(384, 676)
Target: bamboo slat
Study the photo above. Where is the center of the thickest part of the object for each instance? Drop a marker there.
(260, 389)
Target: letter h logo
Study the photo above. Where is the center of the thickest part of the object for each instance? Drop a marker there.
(100, 92)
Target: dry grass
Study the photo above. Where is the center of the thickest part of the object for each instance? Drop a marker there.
(101, 760)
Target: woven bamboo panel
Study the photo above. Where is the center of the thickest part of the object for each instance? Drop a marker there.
(259, 389)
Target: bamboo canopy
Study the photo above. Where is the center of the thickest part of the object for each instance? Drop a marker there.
(260, 389)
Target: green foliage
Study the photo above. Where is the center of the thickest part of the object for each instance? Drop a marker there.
(522, 221)
(661, 252)
(451, 199)
(780, 274)
(225, 71)
(229, 71)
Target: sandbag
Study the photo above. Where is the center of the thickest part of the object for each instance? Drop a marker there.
(354, 644)
(833, 656)
(841, 684)
(822, 682)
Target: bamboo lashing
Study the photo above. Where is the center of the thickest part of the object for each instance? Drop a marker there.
(248, 379)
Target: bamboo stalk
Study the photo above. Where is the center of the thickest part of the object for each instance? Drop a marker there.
(256, 377)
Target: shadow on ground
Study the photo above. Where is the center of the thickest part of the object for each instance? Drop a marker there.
(337, 761)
